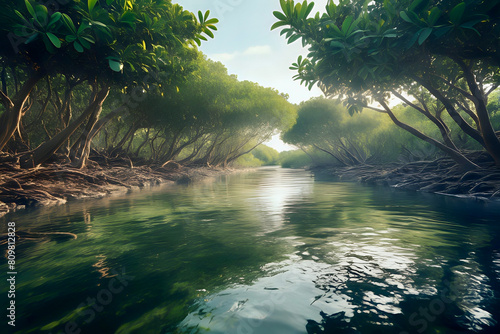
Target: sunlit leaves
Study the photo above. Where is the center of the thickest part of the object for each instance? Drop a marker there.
(91, 5)
(53, 29)
(435, 23)
(368, 48)
(293, 38)
(347, 25)
(283, 21)
(279, 15)
(128, 18)
(88, 25)
(30, 8)
(207, 25)
(278, 24)
(39, 25)
(69, 23)
(352, 34)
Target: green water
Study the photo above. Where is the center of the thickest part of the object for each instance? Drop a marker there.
(267, 252)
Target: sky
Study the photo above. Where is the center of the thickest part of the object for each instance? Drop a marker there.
(248, 48)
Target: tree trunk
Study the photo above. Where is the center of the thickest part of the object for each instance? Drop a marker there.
(105, 120)
(11, 118)
(194, 154)
(173, 144)
(179, 149)
(491, 141)
(131, 131)
(234, 157)
(80, 150)
(146, 139)
(307, 153)
(205, 160)
(452, 111)
(47, 149)
(341, 161)
(455, 155)
(94, 125)
(43, 109)
(443, 128)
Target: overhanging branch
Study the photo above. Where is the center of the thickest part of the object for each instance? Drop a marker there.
(408, 102)
(492, 88)
(382, 111)
(458, 89)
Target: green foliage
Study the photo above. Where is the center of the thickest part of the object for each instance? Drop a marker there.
(212, 119)
(364, 52)
(494, 109)
(134, 47)
(248, 160)
(358, 45)
(295, 159)
(267, 155)
(324, 126)
(135, 35)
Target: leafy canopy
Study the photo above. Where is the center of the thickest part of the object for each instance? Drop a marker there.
(91, 36)
(363, 49)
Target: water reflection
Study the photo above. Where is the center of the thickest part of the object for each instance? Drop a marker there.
(273, 251)
(390, 269)
(276, 192)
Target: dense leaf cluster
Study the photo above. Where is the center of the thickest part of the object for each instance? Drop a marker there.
(439, 53)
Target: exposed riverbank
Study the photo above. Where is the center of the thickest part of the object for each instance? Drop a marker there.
(57, 184)
(441, 176)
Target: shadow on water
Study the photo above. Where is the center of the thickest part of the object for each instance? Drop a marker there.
(268, 252)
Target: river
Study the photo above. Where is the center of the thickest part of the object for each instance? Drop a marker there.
(271, 251)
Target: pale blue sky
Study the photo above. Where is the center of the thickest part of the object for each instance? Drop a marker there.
(245, 44)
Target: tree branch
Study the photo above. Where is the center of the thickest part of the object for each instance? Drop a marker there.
(421, 99)
(6, 101)
(455, 155)
(343, 163)
(382, 111)
(455, 115)
(460, 90)
(465, 107)
(492, 88)
(405, 100)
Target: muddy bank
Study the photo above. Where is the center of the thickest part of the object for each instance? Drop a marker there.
(441, 176)
(56, 184)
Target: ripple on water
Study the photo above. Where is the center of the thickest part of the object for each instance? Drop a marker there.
(269, 252)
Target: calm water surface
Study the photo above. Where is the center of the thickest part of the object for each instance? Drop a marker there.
(267, 252)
